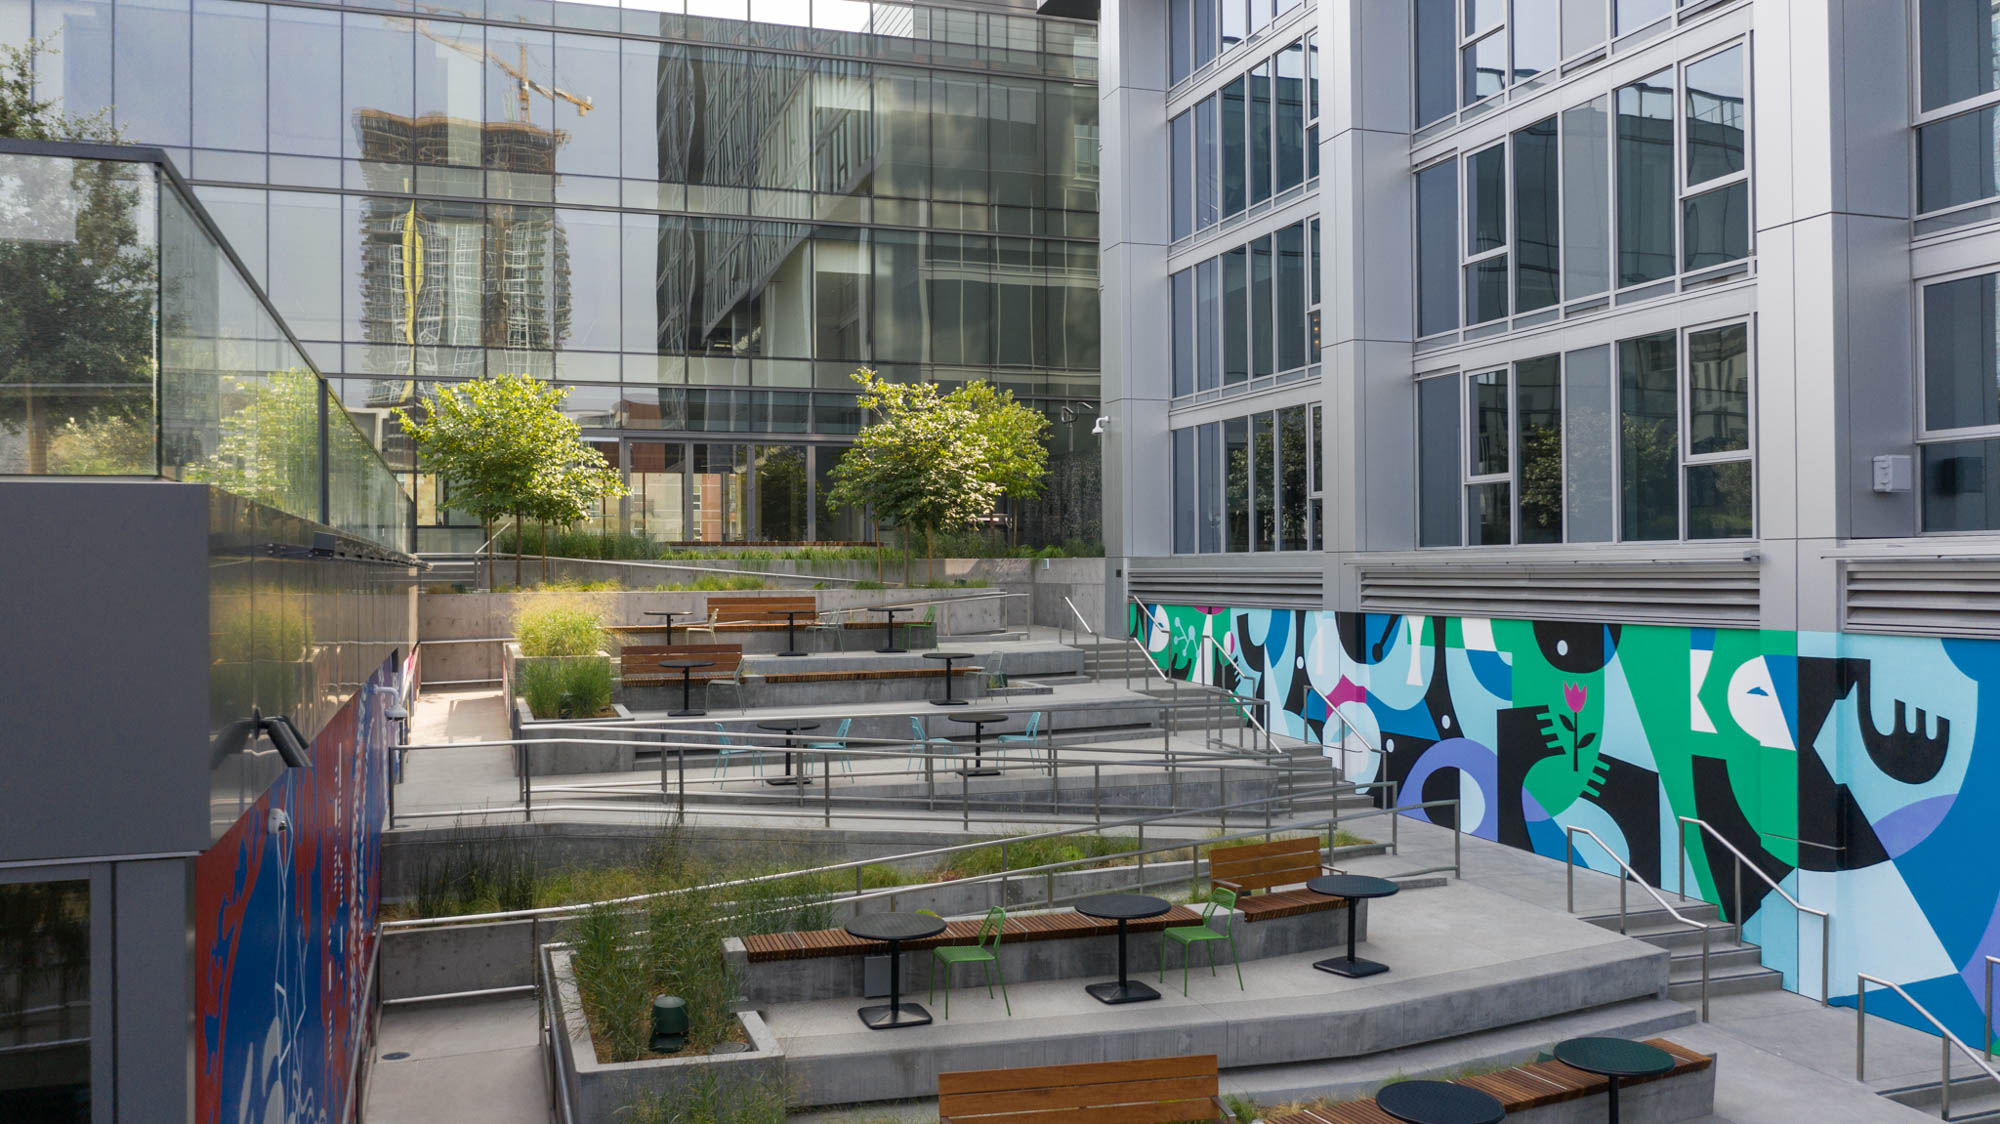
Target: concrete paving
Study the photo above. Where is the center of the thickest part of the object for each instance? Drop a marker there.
(1463, 960)
(466, 1061)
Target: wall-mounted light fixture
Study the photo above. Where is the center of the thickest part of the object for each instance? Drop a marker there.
(292, 748)
(1102, 421)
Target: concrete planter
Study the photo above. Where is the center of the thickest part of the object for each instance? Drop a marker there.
(580, 750)
(597, 1090)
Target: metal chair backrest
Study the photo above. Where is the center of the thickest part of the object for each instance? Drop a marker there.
(1225, 900)
(840, 732)
(996, 919)
(722, 734)
(1034, 725)
(917, 729)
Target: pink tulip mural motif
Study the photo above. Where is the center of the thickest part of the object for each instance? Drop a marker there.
(1574, 696)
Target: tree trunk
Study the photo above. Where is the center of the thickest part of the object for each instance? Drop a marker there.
(905, 536)
(878, 559)
(930, 554)
(517, 550)
(545, 551)
(488, 526)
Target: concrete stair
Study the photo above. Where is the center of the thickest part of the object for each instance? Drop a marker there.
(1972, 1098)
(1734, 967)
(1114, 660)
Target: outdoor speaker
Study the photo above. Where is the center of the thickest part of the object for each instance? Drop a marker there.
(670, 1024)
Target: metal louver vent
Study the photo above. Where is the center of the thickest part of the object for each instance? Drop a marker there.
(1922, 597)
(1245, 587)
(1720, 594)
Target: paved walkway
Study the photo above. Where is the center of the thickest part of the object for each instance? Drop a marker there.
(465, 1061)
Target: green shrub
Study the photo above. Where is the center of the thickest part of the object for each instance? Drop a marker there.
(612, 982)
(564, 627)
(574, 687)
(708, 1099)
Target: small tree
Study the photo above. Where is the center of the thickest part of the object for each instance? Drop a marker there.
(1017, 455)
(570, 485)
(921, 464)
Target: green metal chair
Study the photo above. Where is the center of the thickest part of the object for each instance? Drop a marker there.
(1187, 936)
(985, 950)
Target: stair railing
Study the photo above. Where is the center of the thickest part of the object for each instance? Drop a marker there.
(1947, 1040)
(1096, 641)
(1736, 910)
(1248, 712)
(1630, 875)
(1991, 963)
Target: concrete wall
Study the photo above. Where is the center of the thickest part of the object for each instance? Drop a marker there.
(840, 977)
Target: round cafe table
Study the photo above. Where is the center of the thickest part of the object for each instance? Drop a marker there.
(1354, 887)
(895, 928)
(670, 614)
(948, 658)
(1613, 1058)
(1122, 908)
(1439, 1102)
(687, 668)
(890, 649)
(789, 727)
(791, 623)
(979, 720)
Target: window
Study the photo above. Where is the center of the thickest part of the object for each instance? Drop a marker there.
(1486, 235)
(1235, 188)
(1249, 313)
(1183, 181)
(1716, 206)
(1316, 454)
(1289, 121)
(1586, 199)
(1960, 433)
(1253, 140)
(1553, 452)
(47, 1007)
(1537, 219)
(1248, 484)
(1646, 180)
(1466, 51)
(1260, 133)
(1437, 249)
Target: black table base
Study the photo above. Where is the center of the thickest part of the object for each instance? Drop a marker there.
(889, 629)
(989, 771)
(890, 1016)
(788, 780)
(1353, 967)
(1131, 991)
(688, 709)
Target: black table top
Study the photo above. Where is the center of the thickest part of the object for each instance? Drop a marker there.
(686, 665)
(1352, 886)
(895, 926)
(793, 612)
(787, 727)
(892, 610)
(1439, 1102)
(981, 717)
(668, 612)
(1614, 1057)
(947, 655)
(1123, 907)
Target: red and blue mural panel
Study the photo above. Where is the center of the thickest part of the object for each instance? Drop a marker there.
(285, 929)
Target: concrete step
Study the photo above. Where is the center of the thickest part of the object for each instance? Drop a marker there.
(1651, 916)
(1669, 933)
(1356, 1077)
(1739, 982)
(1972, 1098)
(1729, 957)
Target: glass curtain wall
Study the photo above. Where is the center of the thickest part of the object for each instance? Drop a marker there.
(699, 224)
(1248, 484)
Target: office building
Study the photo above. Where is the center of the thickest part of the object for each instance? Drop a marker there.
(1584, 409)
(699, 217)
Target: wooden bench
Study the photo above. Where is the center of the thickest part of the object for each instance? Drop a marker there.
(1059, 925)
(1147, 1091)
(1518, 1089)
(639, 664)
(858, 676)
(1266, 866)
(758, 613)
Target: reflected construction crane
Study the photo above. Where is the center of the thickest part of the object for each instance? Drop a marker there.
(517, 71)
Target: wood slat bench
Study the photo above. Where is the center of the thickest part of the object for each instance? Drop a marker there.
(1264, 866)
(1146, 1091)
(738, 613)
(1518, 1089)
(639, 664)
(1060, 925)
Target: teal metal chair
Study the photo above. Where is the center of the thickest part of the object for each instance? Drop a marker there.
(1030, 737)
(838, 744)
(1187, 936)
(922, 743)
(985, 950)
(730, 749)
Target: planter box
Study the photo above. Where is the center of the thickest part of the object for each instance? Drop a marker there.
(580, 751)
(597, 1090)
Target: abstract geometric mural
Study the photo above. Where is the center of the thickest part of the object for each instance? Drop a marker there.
(1861, 773)
(285, 929)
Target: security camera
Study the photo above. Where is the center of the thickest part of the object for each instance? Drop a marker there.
(1102, 421)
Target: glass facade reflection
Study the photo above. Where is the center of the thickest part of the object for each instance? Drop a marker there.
(702, 220)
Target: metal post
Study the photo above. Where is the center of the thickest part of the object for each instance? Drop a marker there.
(1944, 1078)
(1860, 1027)
(1825, 947)
(1989, 1008)
(1738, 907)
(1457, 861)
(1142, 855)
(1222, 794)
(857, 881)
(1704, 959)
(965, 800)
(681, 768)
(1097, 793)
(1569, 868)
(1049, 886)
(826, 790)
(1623, 881)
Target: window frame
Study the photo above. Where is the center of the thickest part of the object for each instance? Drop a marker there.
(1685, 458)
(1925, 435)
(97, 876)
(1468, 259)
(1685, 191)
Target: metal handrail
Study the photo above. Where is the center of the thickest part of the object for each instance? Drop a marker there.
(1736, 911)
(1079, 615)
(1569, 874)
(1947, 1038)
(1248, 714)
(911, 856)
(1991, 963)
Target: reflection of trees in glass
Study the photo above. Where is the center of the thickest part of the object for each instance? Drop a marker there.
(78, 294)
(1541, 483)
(1292, 487)
(45, 943)
(268, 450)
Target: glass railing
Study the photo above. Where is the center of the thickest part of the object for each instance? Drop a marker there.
(133, 343)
